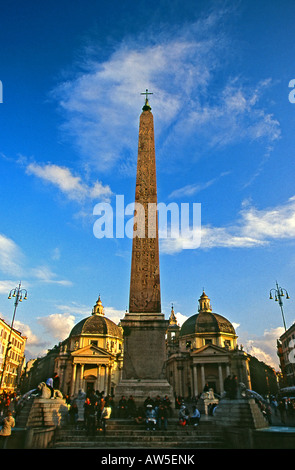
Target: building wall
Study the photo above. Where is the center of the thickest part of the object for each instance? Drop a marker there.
(286, 349)
(15, 356)
(79, 361)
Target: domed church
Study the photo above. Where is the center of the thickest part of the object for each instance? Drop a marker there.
(91, 357)
(203, 351)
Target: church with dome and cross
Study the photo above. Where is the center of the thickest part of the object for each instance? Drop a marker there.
(203, 352)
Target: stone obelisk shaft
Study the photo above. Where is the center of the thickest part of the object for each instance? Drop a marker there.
(145, 294)
(144, 326)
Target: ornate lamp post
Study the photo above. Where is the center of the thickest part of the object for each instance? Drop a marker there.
(19, 295)
(279, 293)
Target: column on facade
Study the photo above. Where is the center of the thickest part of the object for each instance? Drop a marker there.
(74, 372)
(195, 379)
(220, 379)
(175, 378)
(180, 381)
(81, 376)
(105, 382)
(99, 378)
(109, 382)
(102, 378)
(203, 376)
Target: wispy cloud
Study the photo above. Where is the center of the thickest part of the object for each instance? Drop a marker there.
(11, 256)
(44, 274)
(13, 262)
(102, 100)
(70, 185)
(236, 116)
(253, 228)
(191, 189)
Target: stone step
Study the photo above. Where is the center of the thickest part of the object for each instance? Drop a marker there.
(127, 445)
(142, 444)
(140, 435)
(74, 435)
(127, 436)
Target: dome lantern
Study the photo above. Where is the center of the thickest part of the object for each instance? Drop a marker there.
(204, 303)
(98, 308)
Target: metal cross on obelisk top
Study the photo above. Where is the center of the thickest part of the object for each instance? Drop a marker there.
(146, 93)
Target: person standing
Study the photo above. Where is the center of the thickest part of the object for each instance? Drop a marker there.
(73, 412)
(105, 415)
(162, 416)
(234, 387)
(49, 383)
(150, 418)
(227, 385)
(131, 408)
(195, 416)
(5, 432)
(122, 407)
(55, 381)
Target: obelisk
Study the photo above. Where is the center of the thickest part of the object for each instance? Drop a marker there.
(144, 325)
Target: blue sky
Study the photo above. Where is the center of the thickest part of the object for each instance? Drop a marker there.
(72, 74)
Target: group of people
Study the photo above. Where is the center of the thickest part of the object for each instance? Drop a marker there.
(157, 412)
(8, 407)
(284, 407)
(187, 418)
(97, 410)
(8, 402)
(126, 407)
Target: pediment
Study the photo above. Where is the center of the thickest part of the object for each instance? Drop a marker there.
(210, 350)
(91, 350)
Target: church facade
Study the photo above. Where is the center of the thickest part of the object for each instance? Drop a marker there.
(203, 352)
(89, 359)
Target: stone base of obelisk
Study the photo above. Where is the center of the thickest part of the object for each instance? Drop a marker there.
(144, 361)
(141, 389)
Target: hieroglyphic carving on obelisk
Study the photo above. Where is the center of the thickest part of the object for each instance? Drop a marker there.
(145, 294)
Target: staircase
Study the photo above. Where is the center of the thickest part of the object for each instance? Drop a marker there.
(23, 415)
(124, 434)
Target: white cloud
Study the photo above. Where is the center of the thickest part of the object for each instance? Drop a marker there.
(75, 309)
(180, 67)
(72, 186)
(13, 261)
(236, 116)
(32, 339)
(180, 318)
(55, 255)
(253, 228)
(10, 256)
(58, 325)
(6, 286)
(264, 348)
(191, 189)
(44, 274)
(114, 314)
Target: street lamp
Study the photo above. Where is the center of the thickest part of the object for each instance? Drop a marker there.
(19, 295)
(279, 293)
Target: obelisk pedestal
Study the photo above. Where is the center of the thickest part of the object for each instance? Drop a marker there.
(144, 358)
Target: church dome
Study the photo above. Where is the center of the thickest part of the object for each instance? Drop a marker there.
(97, 324)
(206, 321)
